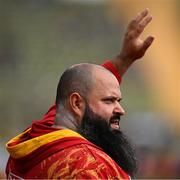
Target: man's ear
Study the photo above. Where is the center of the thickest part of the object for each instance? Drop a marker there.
(77, 104)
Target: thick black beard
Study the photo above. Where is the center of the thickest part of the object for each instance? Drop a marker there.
(113, 142)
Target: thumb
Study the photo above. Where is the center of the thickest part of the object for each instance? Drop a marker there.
(148, 42)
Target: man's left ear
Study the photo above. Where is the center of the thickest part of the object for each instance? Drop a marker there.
(77, 104)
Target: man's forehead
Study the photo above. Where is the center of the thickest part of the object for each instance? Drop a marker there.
(103, 76)
(102, 93)
(105, 83)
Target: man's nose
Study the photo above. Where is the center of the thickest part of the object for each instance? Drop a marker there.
(119, 109)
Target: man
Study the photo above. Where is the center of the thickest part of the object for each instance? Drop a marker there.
(80, 137)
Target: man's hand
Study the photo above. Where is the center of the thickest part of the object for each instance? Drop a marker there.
(133, 46)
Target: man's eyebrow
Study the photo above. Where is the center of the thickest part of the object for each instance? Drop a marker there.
(112, 98)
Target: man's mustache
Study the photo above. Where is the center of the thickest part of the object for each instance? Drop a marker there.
(115, 117)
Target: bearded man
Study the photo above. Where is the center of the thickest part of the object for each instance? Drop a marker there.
(80, 137)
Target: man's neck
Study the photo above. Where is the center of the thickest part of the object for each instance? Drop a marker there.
(65, 120)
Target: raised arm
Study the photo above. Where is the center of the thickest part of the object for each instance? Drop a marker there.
(133, 47)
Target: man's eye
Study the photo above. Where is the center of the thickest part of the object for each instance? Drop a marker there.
(109, 100)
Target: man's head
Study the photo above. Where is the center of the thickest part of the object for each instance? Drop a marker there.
(90, 84)
(87, 101)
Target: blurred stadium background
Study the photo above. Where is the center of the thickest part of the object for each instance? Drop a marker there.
(41, 38)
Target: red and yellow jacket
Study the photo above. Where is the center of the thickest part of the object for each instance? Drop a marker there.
(44, 152)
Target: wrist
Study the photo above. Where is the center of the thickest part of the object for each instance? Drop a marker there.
(122, 63)
(126, 60)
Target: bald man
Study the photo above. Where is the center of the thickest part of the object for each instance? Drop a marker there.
(94, 111)
(80, 137)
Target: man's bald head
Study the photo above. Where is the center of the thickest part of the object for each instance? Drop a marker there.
(78, 78)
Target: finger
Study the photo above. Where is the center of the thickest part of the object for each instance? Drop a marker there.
(148, 41)
(141, 15)
(145, 21)
(143, 24)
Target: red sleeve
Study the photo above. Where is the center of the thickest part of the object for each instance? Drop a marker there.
(108, 65)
